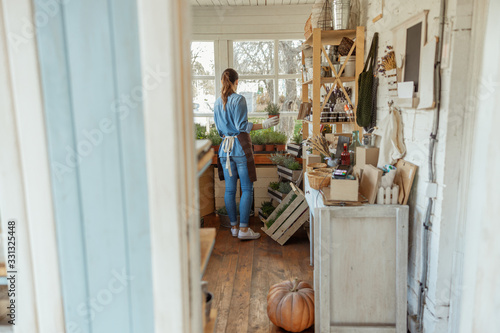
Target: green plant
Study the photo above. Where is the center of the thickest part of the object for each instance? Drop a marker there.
(293, 166)
(214, 136)
(277, 159)
(267, 208)
(280, 138)
(297, 138)
(285, 188)
(280, 211)
(274, 185)
(256, 137)
(201, 132)
(272, 109)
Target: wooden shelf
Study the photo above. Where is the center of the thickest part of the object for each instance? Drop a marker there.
(207, 241)
(331, 123)
(332, 80)
(332, 37)
(205, 161)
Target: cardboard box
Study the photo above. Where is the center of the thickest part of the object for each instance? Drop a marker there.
(206, 188)
(365, 155)
(344, 189)
(311, 158)
(331, 137)
(266, 172)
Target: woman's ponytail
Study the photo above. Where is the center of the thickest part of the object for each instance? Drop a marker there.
(229, 77)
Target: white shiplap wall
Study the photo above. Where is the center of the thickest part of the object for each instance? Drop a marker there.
(249, 2)
(259, 22)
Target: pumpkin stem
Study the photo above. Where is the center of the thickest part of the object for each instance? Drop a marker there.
(295, 284)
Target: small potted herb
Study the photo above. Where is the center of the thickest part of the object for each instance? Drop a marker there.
(280, 141)
(268, 140)
(215, 138)
(295, 147)
(257, 138)
(273, 110)
(288, 167)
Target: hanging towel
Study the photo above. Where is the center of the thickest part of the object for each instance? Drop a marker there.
(390, 139)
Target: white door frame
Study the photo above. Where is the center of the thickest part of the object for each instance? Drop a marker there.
(25, 183)
(164, 30)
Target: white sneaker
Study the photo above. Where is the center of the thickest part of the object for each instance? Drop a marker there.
(249, 234)
(234, 232)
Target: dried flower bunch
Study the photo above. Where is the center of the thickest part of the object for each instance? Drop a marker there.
(388, 61)
(321, 144)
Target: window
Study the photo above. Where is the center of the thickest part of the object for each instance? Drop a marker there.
(203, 69)
(269, 71)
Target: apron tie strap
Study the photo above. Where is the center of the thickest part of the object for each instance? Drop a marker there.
(227, 146)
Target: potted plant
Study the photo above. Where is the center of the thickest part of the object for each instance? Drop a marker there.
(288, 167)
(268, 140)
(278, 190)
(215, 138)
(273, 110)
(280, 141)
(257, 138)
(295, 147)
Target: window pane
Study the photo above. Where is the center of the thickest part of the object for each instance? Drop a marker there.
(289, 55)
(253, 57)
(257, 93)
(203, 95)
(202, 58)
(289, 97)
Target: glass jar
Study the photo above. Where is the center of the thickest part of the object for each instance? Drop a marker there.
(354, 144)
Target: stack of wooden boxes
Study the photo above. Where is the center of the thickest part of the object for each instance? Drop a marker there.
(265, 175)
(220, 189)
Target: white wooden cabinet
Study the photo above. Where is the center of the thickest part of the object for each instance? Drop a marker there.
(360, 269)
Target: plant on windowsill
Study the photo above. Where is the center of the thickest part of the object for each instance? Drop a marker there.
(257, 141)
(215, 138)
(280, 139)
(267, 140)
(273, 110)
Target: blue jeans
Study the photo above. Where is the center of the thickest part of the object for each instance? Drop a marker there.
(238, 167)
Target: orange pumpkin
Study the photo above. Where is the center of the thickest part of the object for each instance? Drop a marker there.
(290, 305)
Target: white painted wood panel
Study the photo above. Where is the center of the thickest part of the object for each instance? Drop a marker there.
(360, 269)
(233, 21)
(25, 191)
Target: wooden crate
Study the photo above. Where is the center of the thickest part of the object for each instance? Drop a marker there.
(275, 195)
(294, 216)
(291, 175)
(294, 149)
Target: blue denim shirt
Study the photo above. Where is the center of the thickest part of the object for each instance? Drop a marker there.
(233, 120)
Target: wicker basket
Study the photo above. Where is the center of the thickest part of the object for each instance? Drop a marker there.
(328, 171)
(312, 166)
(345, 46)
(318, 180)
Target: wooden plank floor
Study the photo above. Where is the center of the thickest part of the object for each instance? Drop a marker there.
(240, 273)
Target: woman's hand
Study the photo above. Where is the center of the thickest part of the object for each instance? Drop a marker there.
(270, 122)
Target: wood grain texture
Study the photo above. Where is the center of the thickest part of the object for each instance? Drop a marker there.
(240, 274)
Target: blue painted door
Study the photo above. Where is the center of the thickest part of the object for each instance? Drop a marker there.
(91, 78)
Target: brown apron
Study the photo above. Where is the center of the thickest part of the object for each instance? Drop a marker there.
(246, 144)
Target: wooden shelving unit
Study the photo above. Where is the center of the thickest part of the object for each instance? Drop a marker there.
(207, 242)
(318, 40)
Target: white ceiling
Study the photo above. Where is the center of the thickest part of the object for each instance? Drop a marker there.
(249, 2)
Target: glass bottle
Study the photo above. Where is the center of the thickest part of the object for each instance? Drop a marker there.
(355, 143)
(345, 157)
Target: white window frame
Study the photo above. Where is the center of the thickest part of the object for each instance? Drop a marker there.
(223, 57)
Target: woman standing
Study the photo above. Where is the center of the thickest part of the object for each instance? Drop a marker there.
(235, 153)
